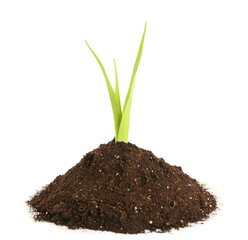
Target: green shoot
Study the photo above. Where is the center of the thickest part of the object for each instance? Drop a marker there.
(121, 117)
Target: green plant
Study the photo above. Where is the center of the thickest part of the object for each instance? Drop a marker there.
(121, 116)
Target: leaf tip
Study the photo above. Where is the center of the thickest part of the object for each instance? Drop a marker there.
(88, 46)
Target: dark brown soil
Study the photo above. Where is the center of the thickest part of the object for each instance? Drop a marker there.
(122, 188)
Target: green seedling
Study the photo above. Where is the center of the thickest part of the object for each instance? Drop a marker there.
(121, 116)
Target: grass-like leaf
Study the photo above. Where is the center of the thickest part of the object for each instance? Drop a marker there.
(114, 101)
(124, 125)
(121, 119)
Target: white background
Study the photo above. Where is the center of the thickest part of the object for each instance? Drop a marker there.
(190, 103)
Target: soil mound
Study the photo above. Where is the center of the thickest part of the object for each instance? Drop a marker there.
(122, 188)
